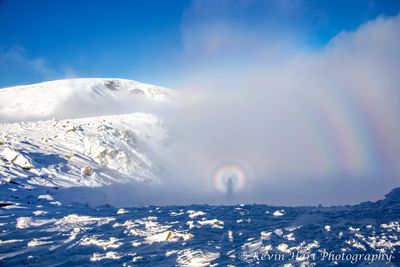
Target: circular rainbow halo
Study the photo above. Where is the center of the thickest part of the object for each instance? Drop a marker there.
(229, 176)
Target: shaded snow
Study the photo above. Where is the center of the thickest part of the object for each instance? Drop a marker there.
(141, 236)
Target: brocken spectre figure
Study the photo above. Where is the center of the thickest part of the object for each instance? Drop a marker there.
(229, 188)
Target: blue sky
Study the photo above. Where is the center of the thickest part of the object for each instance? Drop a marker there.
(160, 42)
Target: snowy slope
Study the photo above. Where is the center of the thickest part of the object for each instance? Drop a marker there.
(82, 97)
(96, 159)
(113, 149)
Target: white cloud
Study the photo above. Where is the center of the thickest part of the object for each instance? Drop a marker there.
(15, 58)
(15, 61)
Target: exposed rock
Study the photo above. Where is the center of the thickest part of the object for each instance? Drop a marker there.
(87, 170)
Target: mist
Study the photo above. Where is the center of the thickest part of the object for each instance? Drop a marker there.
(316, 127)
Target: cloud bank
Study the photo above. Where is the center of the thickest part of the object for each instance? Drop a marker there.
(316, 126)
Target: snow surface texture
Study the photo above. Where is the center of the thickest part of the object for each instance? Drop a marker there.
(45, 234)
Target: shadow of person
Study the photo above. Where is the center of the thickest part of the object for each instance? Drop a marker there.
(229, 188)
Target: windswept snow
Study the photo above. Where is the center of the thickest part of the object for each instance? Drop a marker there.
(108, 255)
(278, 213)
(189, 257)
(16, 158)
(152, 236)
(112, 242)
(27, 222)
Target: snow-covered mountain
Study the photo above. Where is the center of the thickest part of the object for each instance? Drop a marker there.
(84, 97)
(113, 154)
